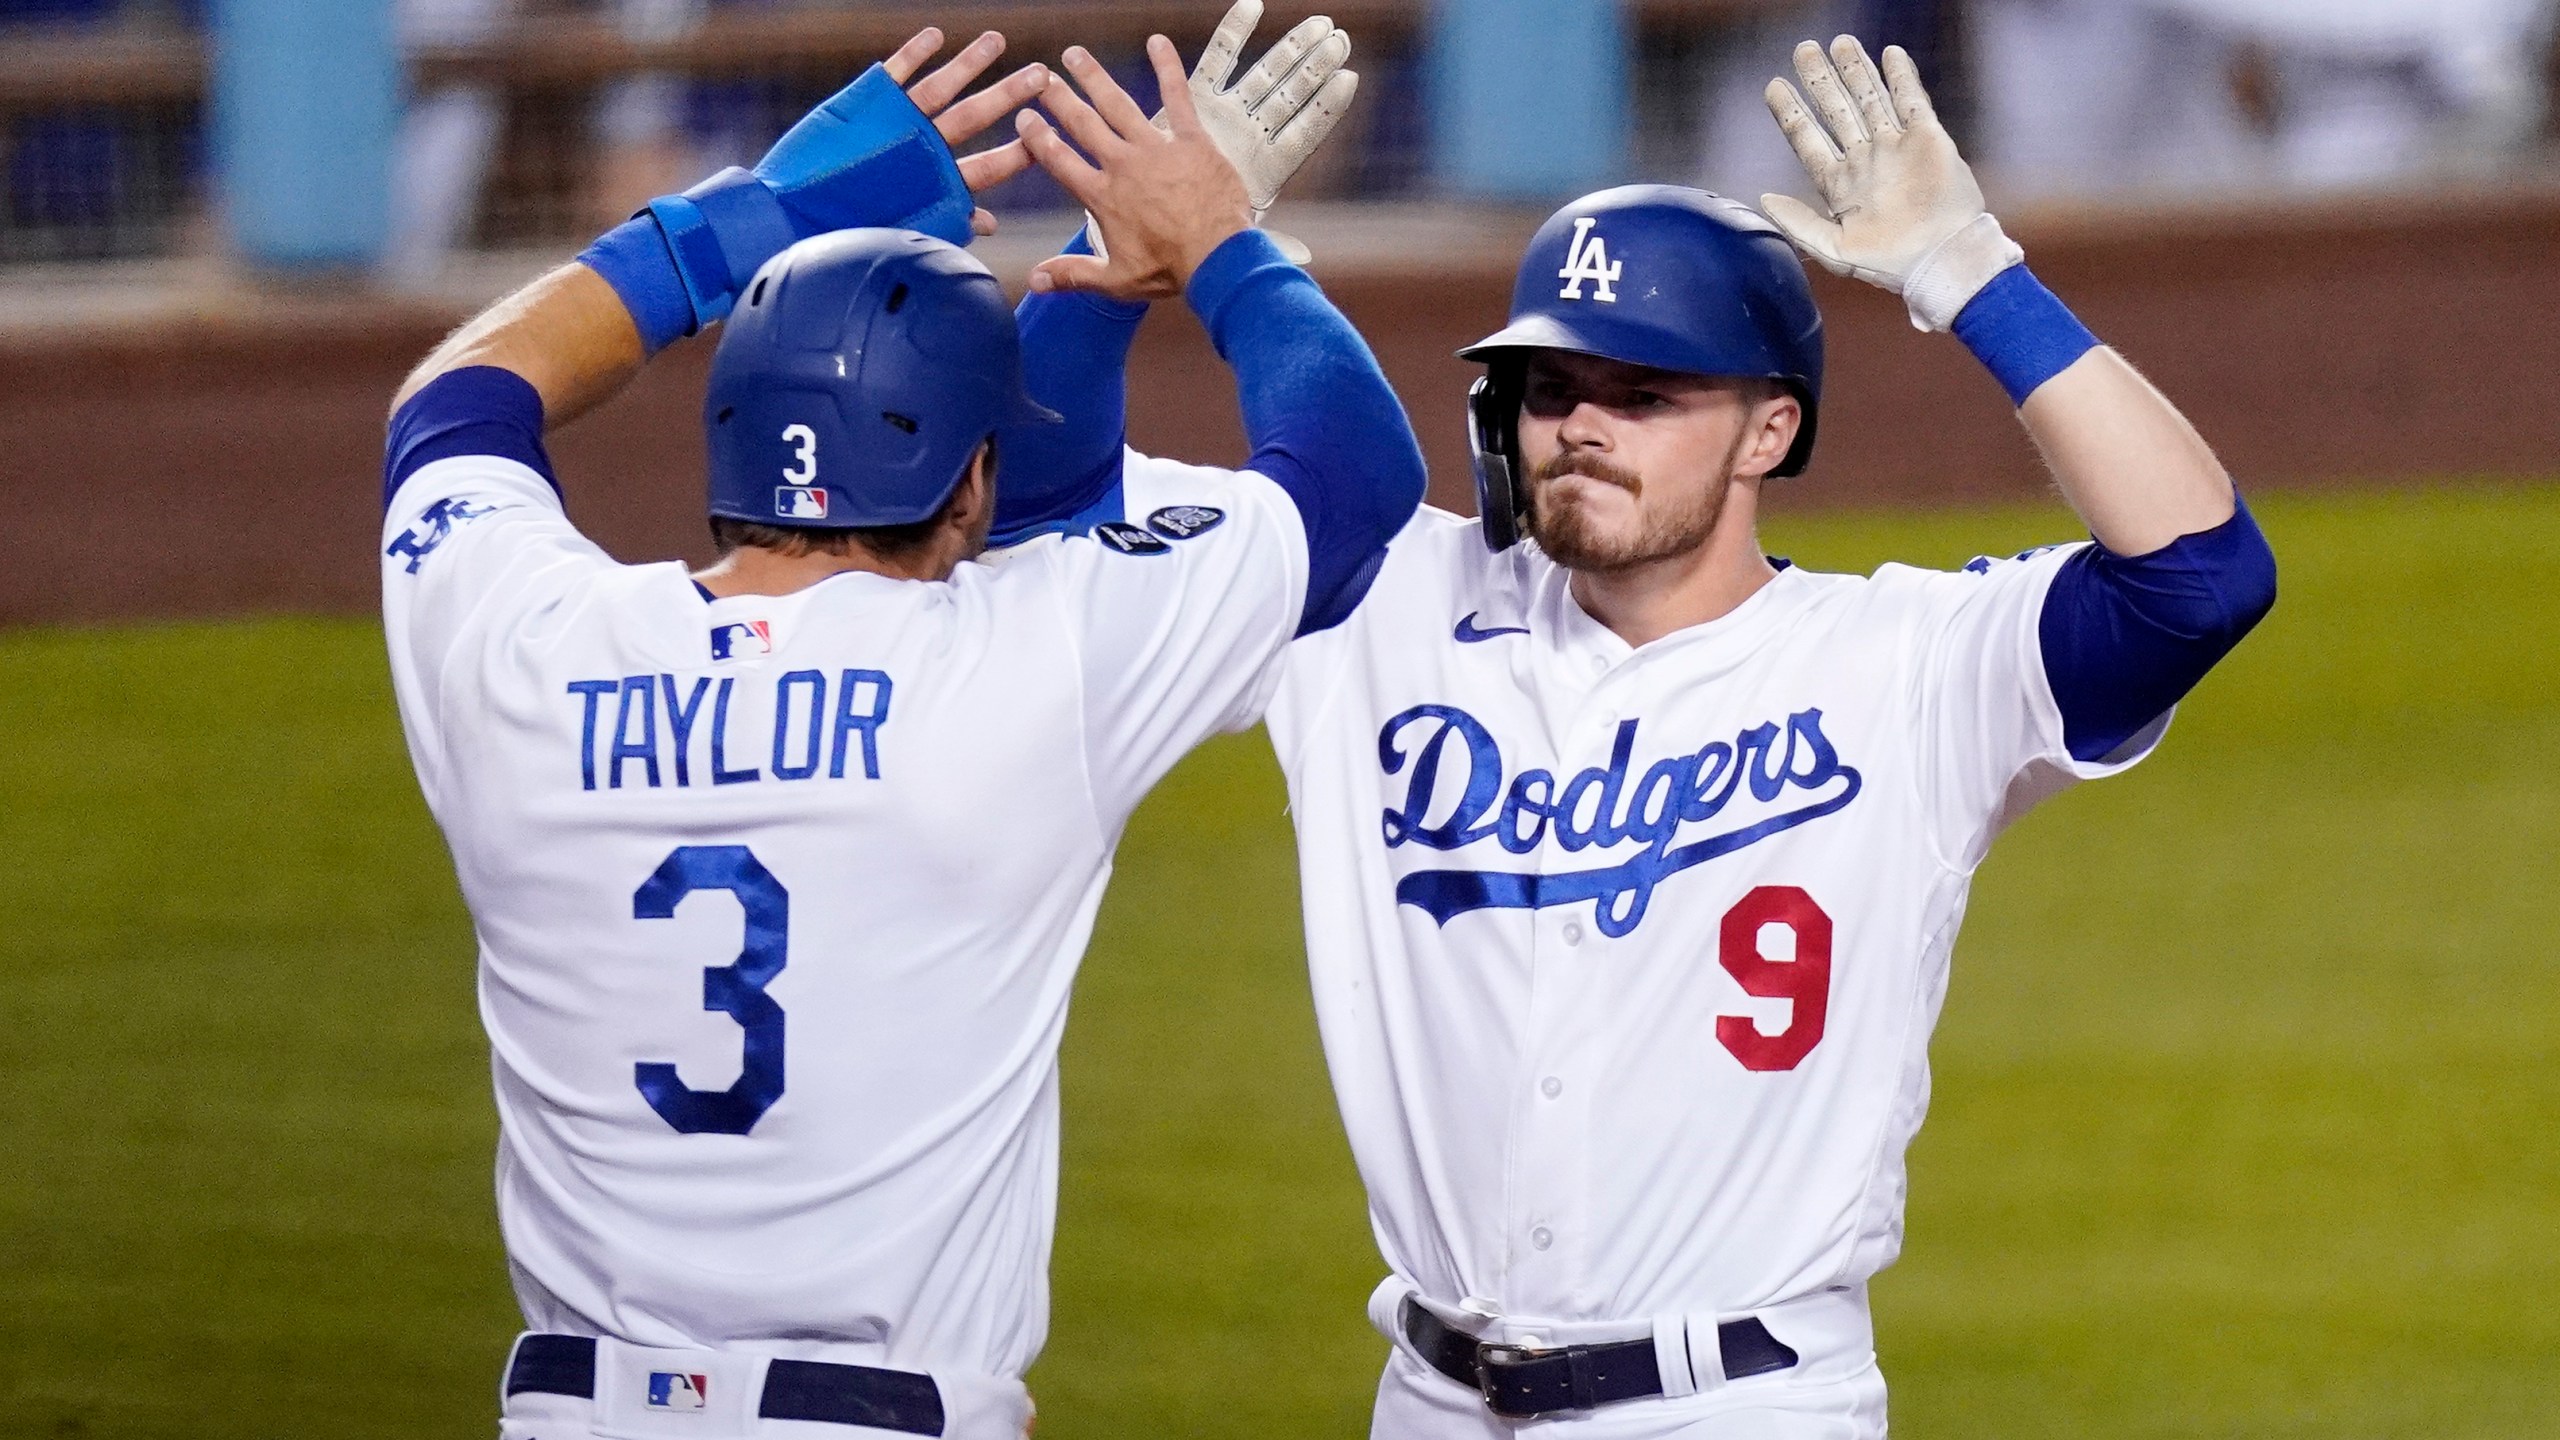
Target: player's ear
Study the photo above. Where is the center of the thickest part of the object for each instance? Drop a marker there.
(1772, 424)
(972, 506)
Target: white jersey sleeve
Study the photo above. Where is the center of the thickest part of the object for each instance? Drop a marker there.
(466, 537)
(1991, 741)
(1178, 616)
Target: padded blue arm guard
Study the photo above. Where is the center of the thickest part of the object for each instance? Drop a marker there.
(866, 157)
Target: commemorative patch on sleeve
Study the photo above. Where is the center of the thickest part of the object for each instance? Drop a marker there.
(1129, 539)
(435, 526)
(1181, 522)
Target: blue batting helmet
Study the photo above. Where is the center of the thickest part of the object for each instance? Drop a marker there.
(856, 378)
(1658, 275)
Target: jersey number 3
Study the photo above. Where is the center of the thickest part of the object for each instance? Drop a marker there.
(1804, 980)
(737, 989)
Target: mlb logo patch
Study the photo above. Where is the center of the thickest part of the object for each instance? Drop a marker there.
(1181, 522)
(676, 1390)
(748, 637)
(799, 502)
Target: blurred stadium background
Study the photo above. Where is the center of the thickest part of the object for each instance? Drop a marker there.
(2249, 1078)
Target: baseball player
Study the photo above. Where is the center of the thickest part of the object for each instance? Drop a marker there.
(1632, 859)
(780, 871)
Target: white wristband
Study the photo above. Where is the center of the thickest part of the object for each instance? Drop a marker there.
(1956, 270)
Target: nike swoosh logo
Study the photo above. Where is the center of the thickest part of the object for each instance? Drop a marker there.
(1468, 634)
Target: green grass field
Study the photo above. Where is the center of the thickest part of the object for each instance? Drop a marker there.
(2248, 1091)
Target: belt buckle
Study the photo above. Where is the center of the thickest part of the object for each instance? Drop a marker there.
(1488, 1356)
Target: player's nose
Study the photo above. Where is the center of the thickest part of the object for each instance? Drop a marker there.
(1586, 427)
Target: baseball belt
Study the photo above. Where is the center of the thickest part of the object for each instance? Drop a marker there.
(1519, 1383)
(899, 1400)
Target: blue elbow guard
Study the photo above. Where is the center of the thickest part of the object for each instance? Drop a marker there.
(866, 157)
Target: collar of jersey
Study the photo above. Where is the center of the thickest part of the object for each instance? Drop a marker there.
(1712, 645)
(1110, 505)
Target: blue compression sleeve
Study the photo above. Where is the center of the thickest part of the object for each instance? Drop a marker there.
(477, 410)
(1075, 360)
(2127, 636)
(1322, 420)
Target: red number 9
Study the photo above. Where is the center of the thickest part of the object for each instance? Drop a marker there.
(1805, 980)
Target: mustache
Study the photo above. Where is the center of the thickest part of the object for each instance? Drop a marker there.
(1575, 462)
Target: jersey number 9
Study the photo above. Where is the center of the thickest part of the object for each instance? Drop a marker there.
(736, 989)
(1804, 980)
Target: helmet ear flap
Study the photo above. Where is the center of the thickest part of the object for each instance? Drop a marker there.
(1493, 438)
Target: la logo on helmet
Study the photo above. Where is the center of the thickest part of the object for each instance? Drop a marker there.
(1587, 258)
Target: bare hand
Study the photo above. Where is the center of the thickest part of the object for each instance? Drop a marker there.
(1164, 194)
(960, 122)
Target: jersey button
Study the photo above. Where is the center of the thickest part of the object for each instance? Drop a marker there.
(1573, 932)
(1551, 1087)
(1542, 1237)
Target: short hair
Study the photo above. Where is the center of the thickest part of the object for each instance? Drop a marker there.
(888, 542)
(1756, 388)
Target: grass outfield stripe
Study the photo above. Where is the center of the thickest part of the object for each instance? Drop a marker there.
(2245, 1092)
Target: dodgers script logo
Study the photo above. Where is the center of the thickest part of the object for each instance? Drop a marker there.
(434, 527)
(1597, 808)
(1587, 258)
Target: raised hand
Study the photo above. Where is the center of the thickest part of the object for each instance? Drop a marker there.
(1904, 210)
(957, 123)
(1163, 194)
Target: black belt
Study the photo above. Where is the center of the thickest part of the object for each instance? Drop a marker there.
(1521, 1384)
(898, 1400)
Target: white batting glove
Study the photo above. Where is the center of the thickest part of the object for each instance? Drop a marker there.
(1268, 123)
(1906, 214)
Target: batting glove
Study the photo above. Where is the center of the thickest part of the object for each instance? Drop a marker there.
(1281, 112)
(867, 156)
(1904, 210)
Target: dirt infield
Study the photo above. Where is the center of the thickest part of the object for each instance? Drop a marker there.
(223, 465)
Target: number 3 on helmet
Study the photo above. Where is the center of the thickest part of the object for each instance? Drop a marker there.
(890, 353)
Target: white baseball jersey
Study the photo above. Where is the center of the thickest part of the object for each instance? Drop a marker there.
(778, 898)
(1626, 959)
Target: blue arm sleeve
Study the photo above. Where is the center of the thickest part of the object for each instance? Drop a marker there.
(1075, 360)
(1322, 420)
(476, 410)
(2127, 636)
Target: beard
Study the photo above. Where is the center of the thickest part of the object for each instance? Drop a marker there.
(1573, 536)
